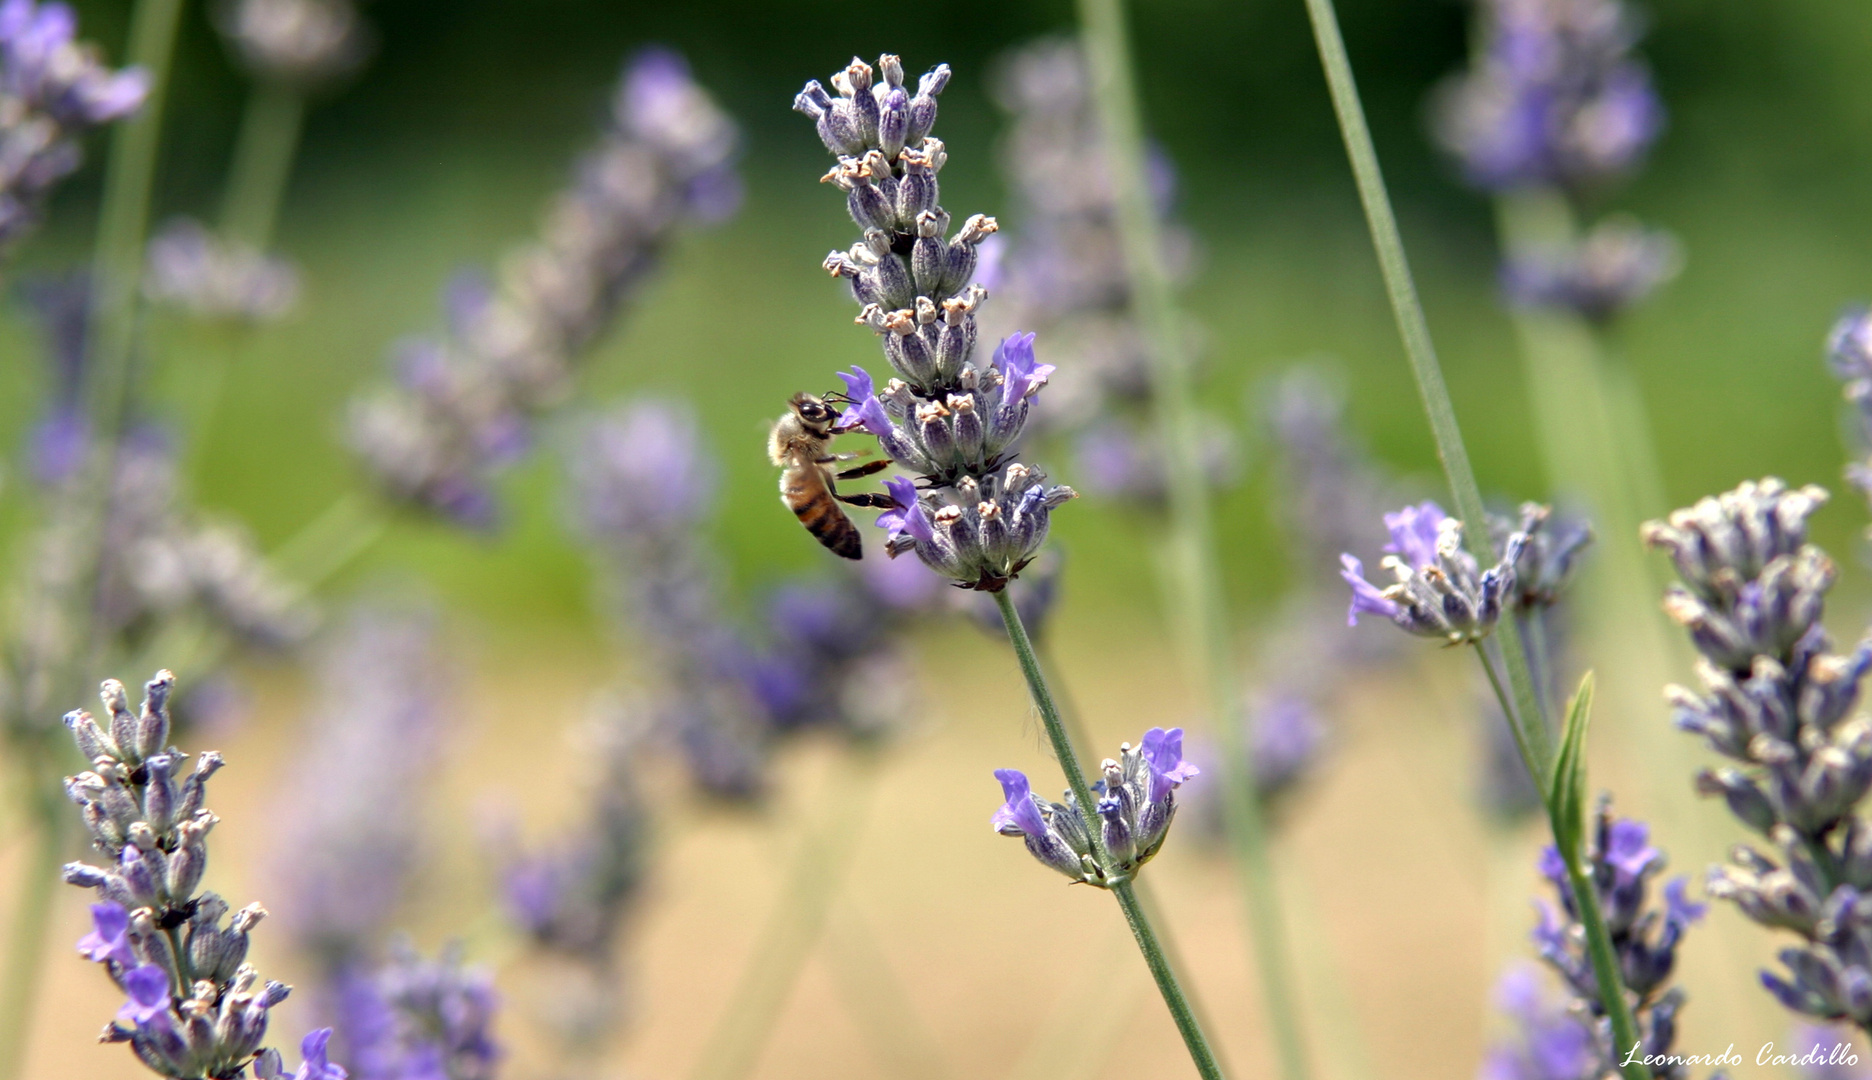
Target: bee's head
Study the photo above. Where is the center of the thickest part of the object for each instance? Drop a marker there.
(812, 411)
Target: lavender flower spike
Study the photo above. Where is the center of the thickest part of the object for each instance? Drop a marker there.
(1440, 590)
(302, 43)
(195, 1008)
(214, 277)
(980, 516)
(1620, 864)
(1779, 703)
(1849, 355)
(1137, 800)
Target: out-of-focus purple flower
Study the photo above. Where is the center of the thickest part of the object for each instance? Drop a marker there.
(304, 43)
(1547, 1041)
(641, 471)
(1285, 737)
(1615, 265)
(511, 356)
(1825, 1053)
(108, 940)
(352, 813)
(216, 277)
(1849, 355)
(55, 89)
(1554, 97)
(421, 1019)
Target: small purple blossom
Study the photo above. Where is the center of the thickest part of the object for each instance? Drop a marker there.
(315, 1064)
(1018, 812)
(108, 938)
(1163, 753)
(148, 987)
(1440, 590)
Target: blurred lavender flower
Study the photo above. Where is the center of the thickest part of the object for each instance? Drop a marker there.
(1285, 740)
(160, 562)
(468, 396)
(53, 89)
(1440, 591)
(1825, 1053)
(574, 895)
(1554, 98)
(1776, 701)
(350, 834)
(194, 1008)
(1849, 355)
(1064, 275)
(1548, 1041)
(980, 516)
(214, 277)
(1615, 265)
(642, 485)
(59, 440)
(1620, 863)
(421, 1019)
(302, 43)
(1137, 801)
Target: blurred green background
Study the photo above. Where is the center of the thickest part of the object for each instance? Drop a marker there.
(442, 153)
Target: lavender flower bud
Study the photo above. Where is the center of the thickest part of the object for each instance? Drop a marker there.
(1440, 591)
(1138, 803)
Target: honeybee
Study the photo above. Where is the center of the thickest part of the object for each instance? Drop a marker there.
(801, 445)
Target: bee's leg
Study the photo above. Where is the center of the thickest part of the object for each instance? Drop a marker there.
(876, 500)
(866, 469)
(830, 458)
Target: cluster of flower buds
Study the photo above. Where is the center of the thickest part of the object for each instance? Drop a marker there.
(195, 1008)
(467, 398)
(1064, 272)
(213, 277)
(53, 89)
(1620, 863)
(1441, 591)
(1849, 355)
(301, 43)
(1778, 703)
(1614, 266)
(980, 517)
(421, 1018)
(1554, 99)
(1136, 802)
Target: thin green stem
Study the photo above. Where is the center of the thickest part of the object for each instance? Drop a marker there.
(1200, 601)
(1599, 949)
(1415, 331)
(1147, 941)
(124, 218)
(1531, 734)
(741, 1033)
(262, 165)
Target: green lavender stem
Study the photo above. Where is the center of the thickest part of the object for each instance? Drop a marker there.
(263, 157)
(1135, 916)
(1198, 581)
(741, 1033)
(1522, 705)
(124, 218)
